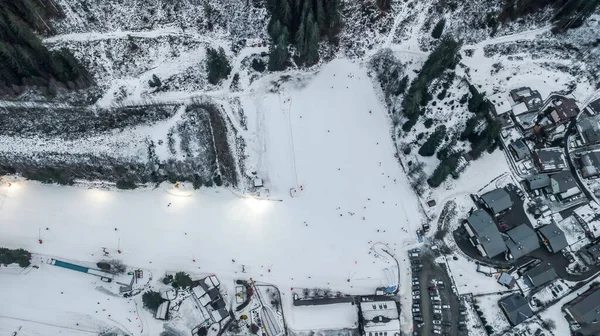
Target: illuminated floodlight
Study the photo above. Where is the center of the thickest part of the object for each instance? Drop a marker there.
(256, 205)
(180, 190)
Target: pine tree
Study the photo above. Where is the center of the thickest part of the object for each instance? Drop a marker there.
(284, 12)
(278, 52)
(301, 40)
(312, 41)
(320, 15)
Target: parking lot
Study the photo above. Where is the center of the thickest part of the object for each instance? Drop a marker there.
(436, 309)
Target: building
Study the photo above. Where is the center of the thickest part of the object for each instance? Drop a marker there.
(497, 200)
(563, 110)
(162, 313)
(523, 240)
(553, 237)
(379, 317)
(563, 185)
(541, 274)
(588, 217)
(519, 109)
(507, 280)
(589, 129)
(591, 255)
(500, 103)
(516, 308)
(207, 295)
(519, 150)
(590, 164)
(539, 181)
(484, 234)
(594, 107)
(549, 159)
(531, 98)
(585, 309)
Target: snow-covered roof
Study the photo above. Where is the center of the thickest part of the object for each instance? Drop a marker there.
(373, 309)
(550, 159)
(163, 309)
(520, 109)
(218, 315)
(507, 280)
(500, 102)
(198, 291)
(204, 300)
(589, 216)
(538, 181)
(214, 280)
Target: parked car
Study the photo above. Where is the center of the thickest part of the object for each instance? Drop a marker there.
(435, 331)
(415, 283)
(417, 269)
(437, 322)
(416, 287)
(415, 250)
(417, 318)
(416, 261)
(413, 255)
(437, 327)
(436, 307)
(437, 311)
(416, 292)
(416, 310)
(447, 323)
(432, 288)
(435, 298)
(462, 327)
(446, 306)
(463, 313)
(416, 297)
(462, 323)
(462, 308)
(415, 279)
(416, 305)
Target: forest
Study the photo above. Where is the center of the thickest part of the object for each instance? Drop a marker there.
(566, 13)
(24, 61)
(302, 24)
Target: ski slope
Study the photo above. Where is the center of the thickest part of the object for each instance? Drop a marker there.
(331, 142)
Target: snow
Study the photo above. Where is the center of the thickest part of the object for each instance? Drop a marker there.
(332, 316)
(347, 170)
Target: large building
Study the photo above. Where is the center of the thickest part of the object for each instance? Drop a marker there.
(520, 150)
(563, 185)
(549, 159)
(563, 110)
(484, 234)
(590, 164)
(538, 181)
(541, 274)
(553, 237)
(516, 308)
(497, 201)
(589, 129)
(531, 98)
(589, 218)
(523, 240)
(379, 318)
(585, 309)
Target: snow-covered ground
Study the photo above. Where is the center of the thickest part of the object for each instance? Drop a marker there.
(334, 142)
(334, 316)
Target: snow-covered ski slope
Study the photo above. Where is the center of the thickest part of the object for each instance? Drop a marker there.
(334, 142)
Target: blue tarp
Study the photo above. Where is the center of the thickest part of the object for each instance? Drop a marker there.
(70, 266)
